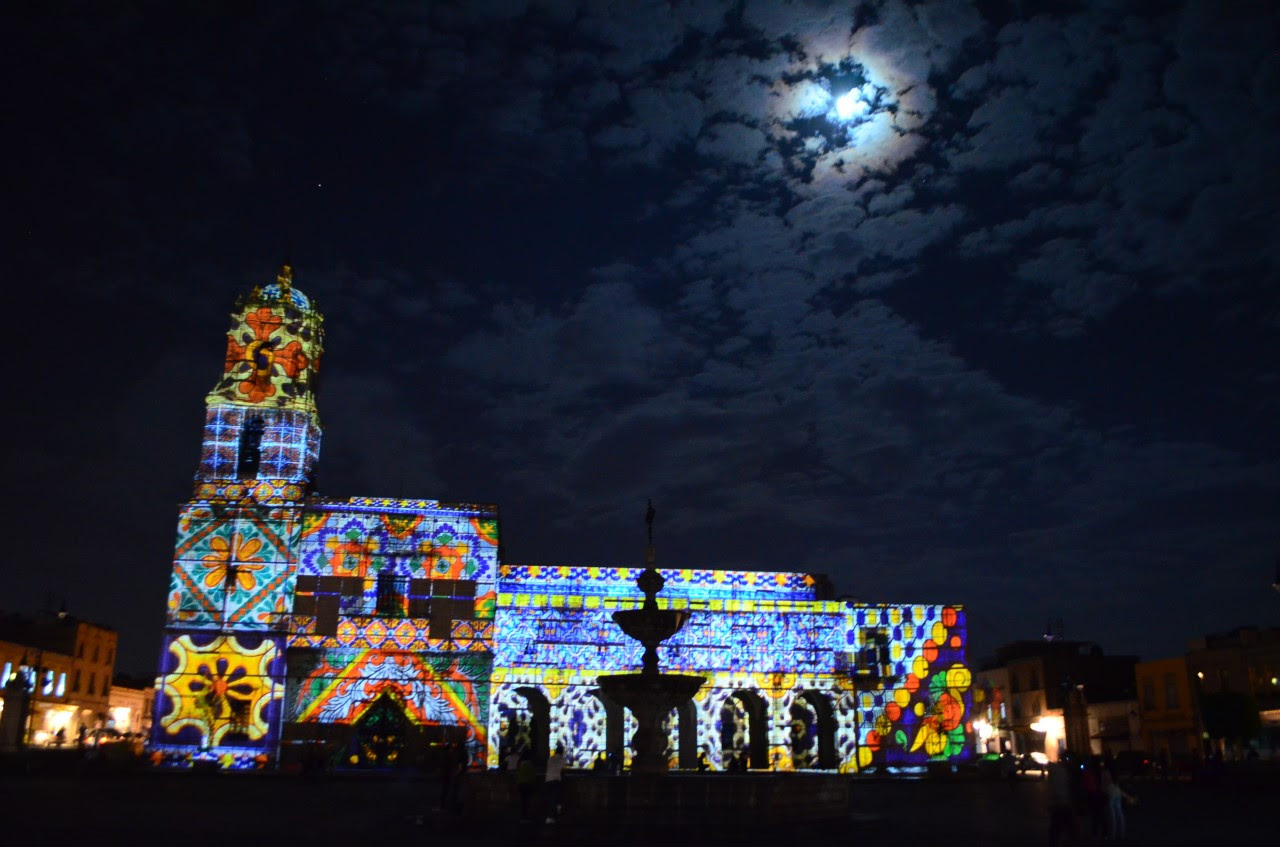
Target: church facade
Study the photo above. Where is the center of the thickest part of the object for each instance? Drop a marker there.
(373, 632)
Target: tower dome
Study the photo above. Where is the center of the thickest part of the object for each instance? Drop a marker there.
(282, 291)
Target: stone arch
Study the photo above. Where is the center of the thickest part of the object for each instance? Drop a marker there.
(539, 721)
(814, 711)
(380, 733)
(615, 735)
(684, 746)
(744, 706)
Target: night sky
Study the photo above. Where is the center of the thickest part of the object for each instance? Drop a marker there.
(1001, 327)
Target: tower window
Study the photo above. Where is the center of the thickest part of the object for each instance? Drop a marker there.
(250, 448)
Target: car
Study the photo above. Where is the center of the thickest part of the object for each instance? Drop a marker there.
(1128, 764)
(105, 735)
(1033, 762)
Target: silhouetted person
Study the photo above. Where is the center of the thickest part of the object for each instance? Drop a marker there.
(1062, 817)
(526, 776)
(555, 784)
(1094, 800)
(1115, 798)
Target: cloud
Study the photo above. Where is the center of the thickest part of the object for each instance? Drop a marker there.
(573, 257)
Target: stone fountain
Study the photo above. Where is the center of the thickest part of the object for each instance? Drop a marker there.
(650, 695)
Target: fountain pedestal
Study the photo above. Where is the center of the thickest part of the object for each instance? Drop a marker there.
(650, 697)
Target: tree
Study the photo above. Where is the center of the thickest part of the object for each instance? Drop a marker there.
(1230, 716)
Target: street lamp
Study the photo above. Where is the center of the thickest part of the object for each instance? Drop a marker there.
(36, 683)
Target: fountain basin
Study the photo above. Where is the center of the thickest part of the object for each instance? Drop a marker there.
(664, 691)
(651, 626)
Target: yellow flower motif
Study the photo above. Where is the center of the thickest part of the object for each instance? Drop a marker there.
(236, 557)
(219, 688)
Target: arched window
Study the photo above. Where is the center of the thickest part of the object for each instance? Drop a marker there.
(250, 448)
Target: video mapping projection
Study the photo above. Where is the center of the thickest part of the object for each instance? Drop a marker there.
(219, 693)
(233, 566)
(793, 681)
(376, 632)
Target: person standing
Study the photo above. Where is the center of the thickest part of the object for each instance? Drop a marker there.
(1062, 817)
(526, 776)
(1116, 798)
(555, 784)
(1095, 801)
(446, 773)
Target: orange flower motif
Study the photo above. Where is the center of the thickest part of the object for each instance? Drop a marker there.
(264, 360)
(264, 323)
(291, 359)
(951, 710)
(237, 556)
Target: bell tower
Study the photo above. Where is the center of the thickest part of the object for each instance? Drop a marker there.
(262, 431)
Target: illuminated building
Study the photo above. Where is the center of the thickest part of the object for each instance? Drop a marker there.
(1053, 696)
(129, 706)
(369, 631)
(66, 665)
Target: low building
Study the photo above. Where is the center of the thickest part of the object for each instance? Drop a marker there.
(130, 705)
(1242, 665)
(992, 729)
(66, 665)
(1064, 695)
(1169, 712)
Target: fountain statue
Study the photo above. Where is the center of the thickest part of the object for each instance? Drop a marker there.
(650, 695)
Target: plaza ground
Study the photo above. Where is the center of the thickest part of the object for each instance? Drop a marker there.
(77, 800)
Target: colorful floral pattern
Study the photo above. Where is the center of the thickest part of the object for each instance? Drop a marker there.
(232, 566)
(273, 350)
(218, 686)
(339, 686)
(236, 560)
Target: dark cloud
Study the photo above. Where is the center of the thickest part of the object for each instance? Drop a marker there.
(1002, 336)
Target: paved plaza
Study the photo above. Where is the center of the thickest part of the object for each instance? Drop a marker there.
(264, 808)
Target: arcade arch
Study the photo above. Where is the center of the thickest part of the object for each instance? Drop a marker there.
(744, 729)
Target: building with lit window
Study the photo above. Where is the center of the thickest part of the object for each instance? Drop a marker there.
(1052, 696)
(371, 631)
(1169, 713)
(65, 665)
(1238, 670)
